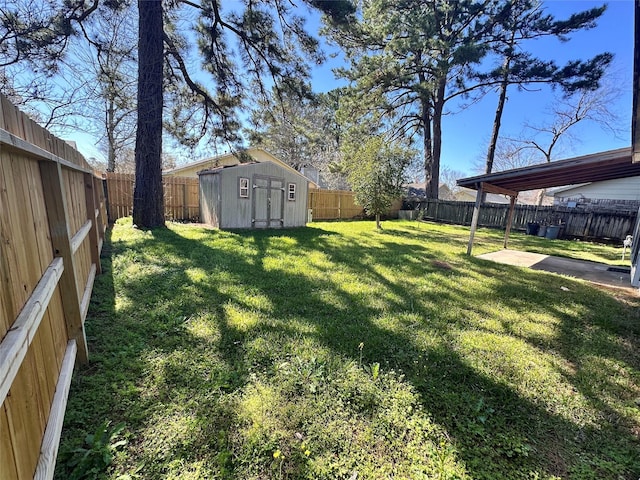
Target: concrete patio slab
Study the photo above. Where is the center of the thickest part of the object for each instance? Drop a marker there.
(598, 273)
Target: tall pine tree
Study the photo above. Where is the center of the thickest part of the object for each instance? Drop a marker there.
(408, 59)
(148, 199)
(526, 20)
(247, 43)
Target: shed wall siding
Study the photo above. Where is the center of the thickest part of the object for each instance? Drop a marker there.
(235, 212)
(231, 211)
(210, 200)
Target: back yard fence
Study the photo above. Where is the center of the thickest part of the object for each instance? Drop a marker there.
(181, 199)
(333, 204)
(576, 223)
(52, 226)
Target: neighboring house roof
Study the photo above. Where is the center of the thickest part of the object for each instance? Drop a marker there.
(531, 197)
(418, 189)
(525, 198)
(557, 190)
(465, 195)
(230, 159)
(462, 194)
(468, 195)
(445, 193)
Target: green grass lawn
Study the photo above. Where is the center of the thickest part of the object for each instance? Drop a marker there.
(339, 352)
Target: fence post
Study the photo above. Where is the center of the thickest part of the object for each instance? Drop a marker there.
(512, 205)
(474, 220)
(98, 187)
(93, 216)
(107, 200)
(58, 216)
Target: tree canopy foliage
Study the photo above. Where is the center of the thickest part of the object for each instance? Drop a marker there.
(526, 20)
(376, 171)
(241, 46)
(304, 132)
(408, 59)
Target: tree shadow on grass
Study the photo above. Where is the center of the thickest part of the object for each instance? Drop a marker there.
(201, 369)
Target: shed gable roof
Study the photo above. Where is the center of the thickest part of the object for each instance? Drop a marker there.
(250, 165)
(208, 162)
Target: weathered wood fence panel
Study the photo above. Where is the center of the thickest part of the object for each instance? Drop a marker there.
(592, 224)
(333, 204)
(180, 197)
(52, 219)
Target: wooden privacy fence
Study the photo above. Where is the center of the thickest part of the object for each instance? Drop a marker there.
(52, 219)
(181, 199)
(333, 204)
(180, 196)
(586, 224)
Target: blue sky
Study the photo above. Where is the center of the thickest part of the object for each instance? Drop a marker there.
(465, 134)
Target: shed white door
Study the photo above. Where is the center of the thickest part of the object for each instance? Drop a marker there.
(268, 202)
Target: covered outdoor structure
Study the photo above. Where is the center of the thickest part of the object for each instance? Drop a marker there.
(589, 168)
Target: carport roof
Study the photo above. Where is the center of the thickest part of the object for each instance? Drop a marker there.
(589, 168)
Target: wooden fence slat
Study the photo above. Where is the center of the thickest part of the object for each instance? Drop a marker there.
(17, 340)
(51, 439)
(86, 296)
(13, 141)
(333, 204)
(7, 307)
(55, 199)
(7, 460)
(25, 421)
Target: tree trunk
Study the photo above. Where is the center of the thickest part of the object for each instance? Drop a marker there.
(502, 98)
(497, 120)
(438, 107)
(427, 146)
(378, 226)
(148, 201)
(111, 153)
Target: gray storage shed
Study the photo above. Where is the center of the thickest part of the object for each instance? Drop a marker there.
(253, 195)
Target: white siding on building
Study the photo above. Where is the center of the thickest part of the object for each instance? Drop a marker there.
(618, 189)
